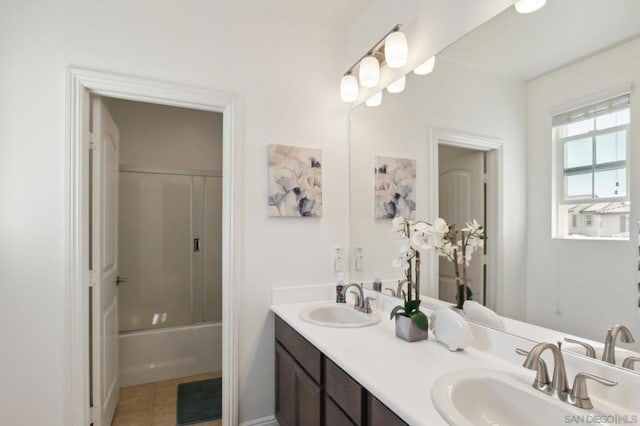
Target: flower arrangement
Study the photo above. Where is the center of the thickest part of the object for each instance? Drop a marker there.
(457, 246)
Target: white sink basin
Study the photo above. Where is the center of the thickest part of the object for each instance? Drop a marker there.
(338, 315)
(474, 397)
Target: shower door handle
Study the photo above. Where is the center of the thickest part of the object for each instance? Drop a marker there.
(120, 279)
(196, 245)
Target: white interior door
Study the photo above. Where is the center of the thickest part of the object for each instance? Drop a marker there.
(461, 198)
(104, 264)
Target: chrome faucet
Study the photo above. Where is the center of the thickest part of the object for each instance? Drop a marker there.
(609, 354)
(558, 388)
(362, 304)
(576, 396)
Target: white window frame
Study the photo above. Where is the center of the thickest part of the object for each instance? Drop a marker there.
(558, 144)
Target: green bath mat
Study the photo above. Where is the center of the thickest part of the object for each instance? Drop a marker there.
(199, 401)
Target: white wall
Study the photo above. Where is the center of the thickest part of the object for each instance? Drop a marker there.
(163, 136)
(453, 97)
(287, 73)
(580, 287)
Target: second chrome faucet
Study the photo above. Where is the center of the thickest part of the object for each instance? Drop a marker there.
(558, 388)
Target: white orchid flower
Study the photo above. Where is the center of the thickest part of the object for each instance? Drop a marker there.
(440, 226)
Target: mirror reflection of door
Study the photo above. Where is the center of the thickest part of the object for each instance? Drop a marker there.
(462, 178)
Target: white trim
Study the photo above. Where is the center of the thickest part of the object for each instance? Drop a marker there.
(494, 204)
(264, 421)
(80, 83)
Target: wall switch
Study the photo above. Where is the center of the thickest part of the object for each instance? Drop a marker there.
(359, 258)
(338, 260)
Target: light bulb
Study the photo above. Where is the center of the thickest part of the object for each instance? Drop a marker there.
(426, 67)
(349, 88)
(528, 6)
(395, 49)
(369, 72)
(375, 100)
(397, 86)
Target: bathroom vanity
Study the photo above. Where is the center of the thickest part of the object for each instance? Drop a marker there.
(367, 376)
(312, 390)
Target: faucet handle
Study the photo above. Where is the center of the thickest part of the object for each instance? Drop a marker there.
(391, 291)
(542, 373)
(367, 304)
(629, 361)
(590, 351)
(579, 393)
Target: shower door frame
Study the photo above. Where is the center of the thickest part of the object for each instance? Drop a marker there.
(81, 83)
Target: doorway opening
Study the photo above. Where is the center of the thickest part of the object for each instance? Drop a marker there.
(465, 183)
(462, 196)
(166, 299)
(92, 222)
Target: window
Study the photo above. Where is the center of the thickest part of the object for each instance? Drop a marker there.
(592, 145)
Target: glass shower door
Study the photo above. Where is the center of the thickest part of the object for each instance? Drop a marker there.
(155, 232)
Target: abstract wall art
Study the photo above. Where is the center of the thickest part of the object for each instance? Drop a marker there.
(295, 181)
(395, 188)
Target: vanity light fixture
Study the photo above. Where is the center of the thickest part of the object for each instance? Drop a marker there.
(374, 100)
(369, 72)
(397, 86)
(426, 67)
(349, 88)
(396, 49)
(390, 50)
(528, 6)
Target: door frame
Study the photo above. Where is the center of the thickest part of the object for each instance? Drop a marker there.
(493, 147)
(81, 83)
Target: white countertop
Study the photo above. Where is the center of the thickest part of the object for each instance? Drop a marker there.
(400, 374)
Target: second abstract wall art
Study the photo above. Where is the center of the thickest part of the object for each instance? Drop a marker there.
(395, 188)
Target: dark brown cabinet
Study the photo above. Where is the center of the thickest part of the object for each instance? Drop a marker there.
(312, 390)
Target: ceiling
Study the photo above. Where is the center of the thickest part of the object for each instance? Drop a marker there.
(337, 13)
(522, 47)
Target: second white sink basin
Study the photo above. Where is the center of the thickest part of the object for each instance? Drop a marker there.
(475, 397)
(338, 315)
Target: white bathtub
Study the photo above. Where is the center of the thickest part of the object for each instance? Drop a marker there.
(153, 355)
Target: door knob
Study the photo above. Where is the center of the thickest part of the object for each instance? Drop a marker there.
(120, 279)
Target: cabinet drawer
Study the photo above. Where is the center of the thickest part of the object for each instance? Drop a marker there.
(380, 415)
(333, 415)
(346, 392)
(304, 352)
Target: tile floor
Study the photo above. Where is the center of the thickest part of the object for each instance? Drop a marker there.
(154, 404)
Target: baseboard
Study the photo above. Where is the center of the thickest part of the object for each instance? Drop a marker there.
(264, 421)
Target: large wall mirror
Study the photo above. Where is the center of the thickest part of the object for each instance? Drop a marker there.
(480, 134)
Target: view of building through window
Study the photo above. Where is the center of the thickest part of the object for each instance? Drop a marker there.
(593, 166)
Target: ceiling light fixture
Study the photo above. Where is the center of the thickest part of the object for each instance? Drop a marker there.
(426, 67)
(390, 50)
(397, 86)
(374, 100)
(528, 6)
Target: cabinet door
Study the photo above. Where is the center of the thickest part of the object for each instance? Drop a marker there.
(309, 399)
(380, 415)
(285, 387)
